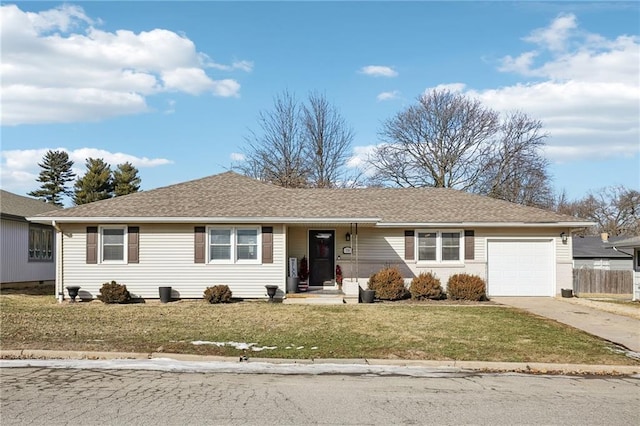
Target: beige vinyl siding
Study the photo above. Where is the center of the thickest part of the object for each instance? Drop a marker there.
(14, 252)
(166, 259)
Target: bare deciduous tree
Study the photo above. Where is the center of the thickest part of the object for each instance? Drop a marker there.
(444, 141)
(615, 210)
(327, 139)
(299, 145)
(276, 154)
(449, 140)
(517, 169)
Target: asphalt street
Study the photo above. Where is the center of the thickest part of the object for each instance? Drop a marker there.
(65, 396)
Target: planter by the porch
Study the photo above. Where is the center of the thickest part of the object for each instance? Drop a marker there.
(368, 296)
(165, 294)
(271, 291)
(73, 292)
(292, 284)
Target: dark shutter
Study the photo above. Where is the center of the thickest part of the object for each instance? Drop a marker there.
(92, 244)
(469, 245)
(133, 235)
(409, 245)
(267, 244)
(199, 244)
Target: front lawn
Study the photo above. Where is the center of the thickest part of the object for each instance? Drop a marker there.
(400, 331)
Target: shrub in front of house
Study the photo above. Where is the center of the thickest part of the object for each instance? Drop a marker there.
(218, 294)
(426, 286)
(388, 284)
(114, 293)
(466, 287)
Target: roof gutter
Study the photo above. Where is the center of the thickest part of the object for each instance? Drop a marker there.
(484, 224)
(137, 219)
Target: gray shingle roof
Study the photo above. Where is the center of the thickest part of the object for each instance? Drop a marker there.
(19, 206)
(627, 242)
(230, 195)
(593, 247)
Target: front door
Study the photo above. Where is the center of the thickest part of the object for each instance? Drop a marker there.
(321, 257)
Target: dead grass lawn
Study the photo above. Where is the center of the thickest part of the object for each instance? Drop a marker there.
(404, 331)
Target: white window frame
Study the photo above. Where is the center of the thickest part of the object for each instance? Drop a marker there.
(124, 245)
(439, 260)
(234, 245)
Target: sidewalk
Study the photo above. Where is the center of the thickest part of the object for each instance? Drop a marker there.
(216, 364)
(620, 329)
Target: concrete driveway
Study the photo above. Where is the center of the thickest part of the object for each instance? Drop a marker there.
(619, 329)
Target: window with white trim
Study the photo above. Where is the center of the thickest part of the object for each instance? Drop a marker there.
(234, 245)
(40, 243)
(112, 244)
(440, 246)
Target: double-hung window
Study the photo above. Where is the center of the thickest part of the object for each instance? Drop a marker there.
(234, 245)
(40, 243)
(440, 246)
(112, 244)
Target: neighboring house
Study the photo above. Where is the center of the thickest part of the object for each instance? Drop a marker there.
(234, 230)
(27, 249)
(593, 252)
(632, 244)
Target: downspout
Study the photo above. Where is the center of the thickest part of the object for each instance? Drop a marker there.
(58, 266)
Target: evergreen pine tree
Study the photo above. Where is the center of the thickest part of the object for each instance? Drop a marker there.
(56, 172)
(125, 179)
(95, 185)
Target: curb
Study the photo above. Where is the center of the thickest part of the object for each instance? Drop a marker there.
(481, 366)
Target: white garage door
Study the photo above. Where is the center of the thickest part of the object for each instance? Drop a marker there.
(520, 268)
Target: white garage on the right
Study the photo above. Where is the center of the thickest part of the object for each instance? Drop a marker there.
(521, 267)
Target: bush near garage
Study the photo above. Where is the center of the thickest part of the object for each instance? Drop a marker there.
(426, 286)
(466, 287)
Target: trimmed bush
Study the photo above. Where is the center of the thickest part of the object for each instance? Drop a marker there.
(218, 294)
(466, 287)
(114, 293)
(388, 284)
(426, 286)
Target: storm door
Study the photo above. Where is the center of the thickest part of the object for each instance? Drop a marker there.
(321, 257)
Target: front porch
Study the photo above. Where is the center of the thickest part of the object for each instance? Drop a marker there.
(325, 295)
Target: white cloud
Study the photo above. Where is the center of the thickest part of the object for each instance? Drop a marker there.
(236, 156)
(93, 74)
(378, 71)
(359, 157)
(556, 36)
(387, 96)
(19, 168)
(586, 91)
(452, 87)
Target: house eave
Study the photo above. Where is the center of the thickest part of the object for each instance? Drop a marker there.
(485, 224)
(134, 219)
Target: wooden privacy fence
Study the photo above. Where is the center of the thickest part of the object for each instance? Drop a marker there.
(586, 280)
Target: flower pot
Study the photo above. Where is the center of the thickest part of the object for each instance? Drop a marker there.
(165, 294)
(567, 292)
(271, 291)
(73, 292)
(368, 296)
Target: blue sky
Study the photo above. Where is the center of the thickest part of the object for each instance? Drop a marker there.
(176, 87)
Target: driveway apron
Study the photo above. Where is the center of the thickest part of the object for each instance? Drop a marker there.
(619, 329)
